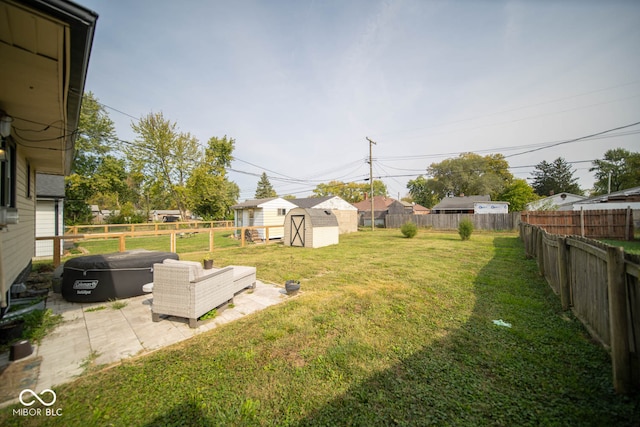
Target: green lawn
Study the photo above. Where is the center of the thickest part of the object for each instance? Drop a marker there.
(387, 331)
(187, 243)
(632, 247)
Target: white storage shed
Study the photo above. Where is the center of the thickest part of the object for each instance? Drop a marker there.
(311, 228)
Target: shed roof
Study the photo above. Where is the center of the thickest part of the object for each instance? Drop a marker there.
(460, 202)
(318, 217)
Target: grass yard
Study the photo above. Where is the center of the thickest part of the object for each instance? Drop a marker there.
(387, 331)
(185, 244)
(631, 247)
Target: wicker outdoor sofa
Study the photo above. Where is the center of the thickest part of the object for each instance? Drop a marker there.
(185, 289)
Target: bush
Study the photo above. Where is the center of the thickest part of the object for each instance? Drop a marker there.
(465, 228)
(409, 229)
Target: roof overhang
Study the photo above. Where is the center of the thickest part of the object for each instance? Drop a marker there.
(45, 47)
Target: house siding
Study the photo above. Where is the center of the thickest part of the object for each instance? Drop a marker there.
(18, 239)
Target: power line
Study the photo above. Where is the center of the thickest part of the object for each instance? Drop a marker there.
(575, 139)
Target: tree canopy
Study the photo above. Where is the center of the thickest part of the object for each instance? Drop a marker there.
(553, 178)
(519, 193)
(352, 192)
(164, 156)
(265, 189)
(211, 194)
(468, 174)
(619, 169)
(163, 168)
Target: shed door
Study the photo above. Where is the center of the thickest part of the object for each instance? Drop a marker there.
(297, 230)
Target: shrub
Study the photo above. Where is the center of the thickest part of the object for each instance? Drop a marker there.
(465, 228)
(409, 229)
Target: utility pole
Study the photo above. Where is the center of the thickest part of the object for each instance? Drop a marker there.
(371, 143)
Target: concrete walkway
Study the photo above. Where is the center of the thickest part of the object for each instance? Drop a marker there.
(95, 334)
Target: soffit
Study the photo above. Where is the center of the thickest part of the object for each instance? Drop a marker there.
(33, 84)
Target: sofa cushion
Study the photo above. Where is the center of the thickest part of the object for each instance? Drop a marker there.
(195, 268)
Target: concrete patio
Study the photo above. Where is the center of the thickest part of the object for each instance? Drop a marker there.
(95, 334)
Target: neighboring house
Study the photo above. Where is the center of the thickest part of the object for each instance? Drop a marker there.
(380, 210)
(491, 207)
(45, 47)
(49, 211)
(400, 207)
(560, 201)
(97, 217)
(619, 200)
(261, 212)
(470, 205)
(345, 212)
(623, 199)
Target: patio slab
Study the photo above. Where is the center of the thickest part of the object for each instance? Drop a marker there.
(109, 332)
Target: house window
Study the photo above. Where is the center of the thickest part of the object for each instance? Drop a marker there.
(282, 212)
(8, 179)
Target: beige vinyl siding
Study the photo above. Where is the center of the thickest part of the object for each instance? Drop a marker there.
(322, 236)
(270, 217)
(18, 239)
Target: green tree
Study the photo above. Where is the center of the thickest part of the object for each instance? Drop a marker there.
(211, 194)
(469, 174)
(425, 192)
(554, 178)
(96, 136)
(95, 140)
(76, 210)
(352, 192)
(519, 193)
(165, 157)
(265, 189)
(618, 170)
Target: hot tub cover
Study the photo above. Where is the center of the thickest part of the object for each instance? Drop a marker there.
(97, 278)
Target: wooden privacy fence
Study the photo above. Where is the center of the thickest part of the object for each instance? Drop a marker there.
(508, 221)
(614, 224)
(600, 284)
(174, 234)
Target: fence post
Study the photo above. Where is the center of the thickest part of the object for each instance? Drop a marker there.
(266, 235)
(563, 259)
(618, 326)
(242, 231)
(581, 221)
(627, 224)
(56, 251)
(211, 239)
(540, 251)
(121, 245)
(172, 242)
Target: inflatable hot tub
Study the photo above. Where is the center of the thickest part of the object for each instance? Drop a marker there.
(106, 277)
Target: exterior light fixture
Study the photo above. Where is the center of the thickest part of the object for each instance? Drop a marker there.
(5, 126)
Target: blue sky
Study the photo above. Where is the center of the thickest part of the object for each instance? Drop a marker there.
(300, 84)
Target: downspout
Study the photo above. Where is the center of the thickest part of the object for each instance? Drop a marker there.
(3, 284)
